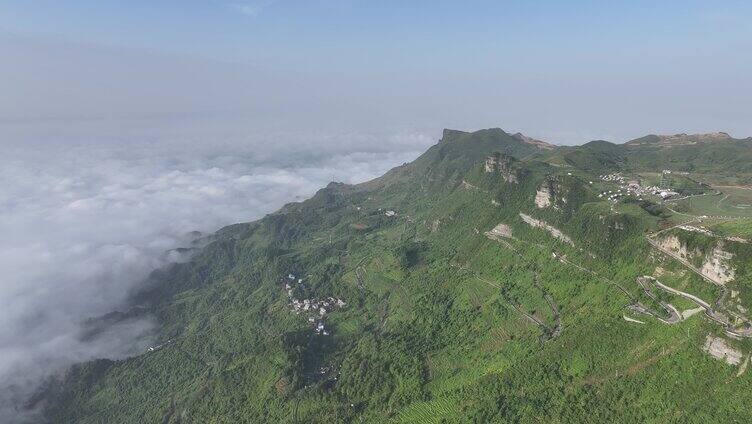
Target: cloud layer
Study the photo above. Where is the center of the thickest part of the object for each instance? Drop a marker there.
(84, 223)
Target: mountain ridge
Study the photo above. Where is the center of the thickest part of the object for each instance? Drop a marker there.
(681, 139)
(483, 282)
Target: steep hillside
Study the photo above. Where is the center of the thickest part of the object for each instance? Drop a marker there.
(489, 280)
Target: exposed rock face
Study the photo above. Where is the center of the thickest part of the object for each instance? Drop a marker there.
(490, 164)
(502, 164)
(543, 197)
(499, 231)
(536, 223)
(715, 264)
(672, 243)
(549, 193)
(717, 348)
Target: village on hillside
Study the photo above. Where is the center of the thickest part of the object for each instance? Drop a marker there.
(314, 309)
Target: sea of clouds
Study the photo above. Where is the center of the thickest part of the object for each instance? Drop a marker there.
(83, 223)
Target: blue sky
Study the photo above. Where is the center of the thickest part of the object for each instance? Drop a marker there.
(651, 57)
(421, 33)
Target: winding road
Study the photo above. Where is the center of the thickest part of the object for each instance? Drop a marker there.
(711, 312)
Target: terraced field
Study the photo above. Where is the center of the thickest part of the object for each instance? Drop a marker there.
(431, 412)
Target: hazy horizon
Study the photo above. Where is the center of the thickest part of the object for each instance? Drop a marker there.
(566, 74)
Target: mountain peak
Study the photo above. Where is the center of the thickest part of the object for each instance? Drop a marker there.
(449, 135)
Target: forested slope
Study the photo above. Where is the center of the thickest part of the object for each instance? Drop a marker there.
(485, 281)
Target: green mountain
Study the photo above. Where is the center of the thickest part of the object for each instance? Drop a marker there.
(496, 278)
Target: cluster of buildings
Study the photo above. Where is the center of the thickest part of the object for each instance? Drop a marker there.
(315, 309)
(632, 187)
(612, 195)
(614, 178)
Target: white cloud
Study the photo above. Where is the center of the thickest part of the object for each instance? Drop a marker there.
(84, 223)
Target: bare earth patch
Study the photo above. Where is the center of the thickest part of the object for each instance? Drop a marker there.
(542, 224)
(499, 231)
(717, 348)
(543, 197)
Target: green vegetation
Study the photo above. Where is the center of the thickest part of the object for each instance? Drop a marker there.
(717, 205)
(737, 228)
(441, 323)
